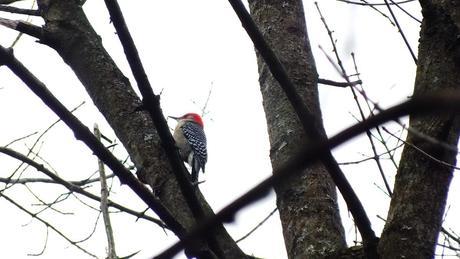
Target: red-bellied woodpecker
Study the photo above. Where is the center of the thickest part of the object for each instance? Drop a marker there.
(191, 141)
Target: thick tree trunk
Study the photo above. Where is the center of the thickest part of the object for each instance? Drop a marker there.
(68, 31)
(421, 186)
(307, 202)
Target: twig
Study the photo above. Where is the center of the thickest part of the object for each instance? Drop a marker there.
(411, 130)
(424, 153)
(338, 84)
(35, 143)
(44, 245)
(33, 215)
(343, 73)
(371, 111)
(405, 11)
(374, 4)
(48, 205)
(205, 106)
(20, 138)
(93, 230)
(401, 32)
(372, 157)
(378, 11)
(450, 235)
(257, 226)
(111, 253)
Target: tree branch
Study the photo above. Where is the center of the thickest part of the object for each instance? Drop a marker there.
(24, 27)
(375, 4)
(8, 1)
(111, 253)
(74, 187)
(338, 84)
(44, 180)
(11, 9)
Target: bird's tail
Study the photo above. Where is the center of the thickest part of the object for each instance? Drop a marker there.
(195, 169)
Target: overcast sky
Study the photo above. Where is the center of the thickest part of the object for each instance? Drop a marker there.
(190, 48)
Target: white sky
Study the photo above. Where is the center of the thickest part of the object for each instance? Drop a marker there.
(189, 47)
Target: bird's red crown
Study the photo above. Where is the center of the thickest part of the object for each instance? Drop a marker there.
(195, 117)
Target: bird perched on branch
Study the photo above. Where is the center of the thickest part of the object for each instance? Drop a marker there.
(191, 141)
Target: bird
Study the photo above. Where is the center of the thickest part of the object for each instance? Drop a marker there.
(191, 140)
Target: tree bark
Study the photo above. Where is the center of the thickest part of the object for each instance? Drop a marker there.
(68, 31)
(415, 215)
(307, 203)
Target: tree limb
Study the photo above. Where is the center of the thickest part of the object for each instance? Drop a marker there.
(24, 27)
(11, 9)
(338, 84)
(73, 187)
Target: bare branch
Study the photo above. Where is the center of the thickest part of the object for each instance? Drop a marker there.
(20, 138)
(24, 27)
(338, 84)
(48, 205)
(11, 9)
(424, 153)
(8, 1)
(387, 152)
(374, 4)
(344, 74)
(44, 245)
(401, 32)
(257, 226)
(111, 254)
(74, 188)
(33, 215)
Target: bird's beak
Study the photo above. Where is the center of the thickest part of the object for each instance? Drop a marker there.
(175, 118)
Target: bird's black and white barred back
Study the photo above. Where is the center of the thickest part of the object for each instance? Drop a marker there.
(194, 133)
(191, 141)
